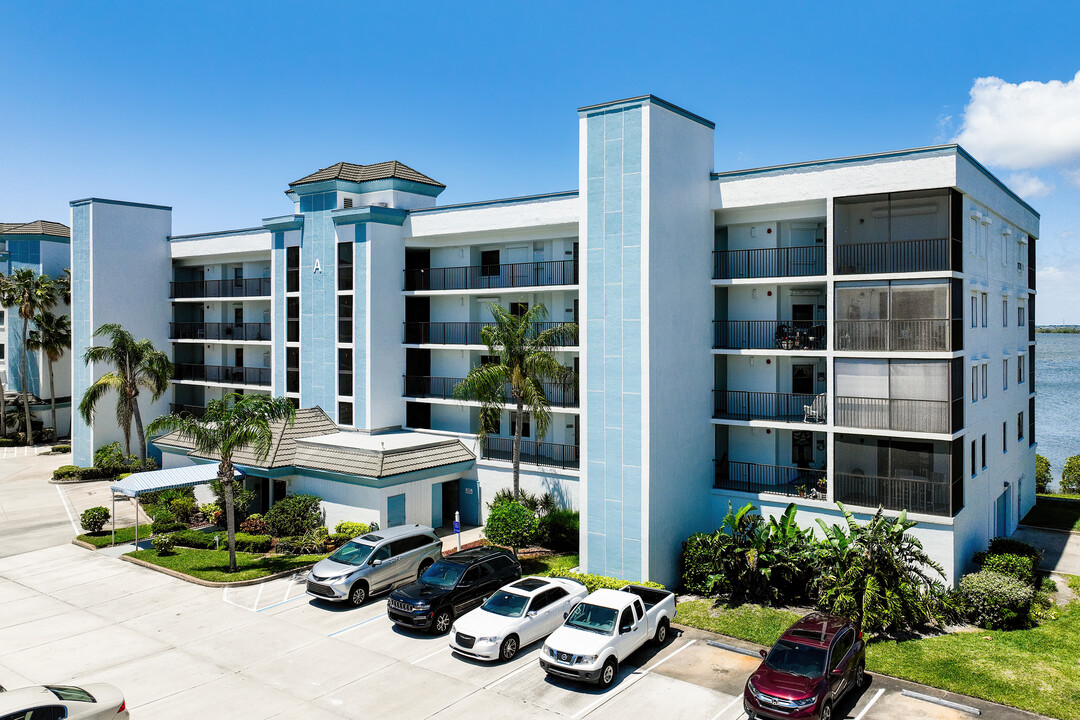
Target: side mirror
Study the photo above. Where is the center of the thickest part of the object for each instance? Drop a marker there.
(531, 613)
(565, 615)
(376, 562)
(763, 653)
(838, 671)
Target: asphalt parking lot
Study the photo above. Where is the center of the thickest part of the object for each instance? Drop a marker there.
(268, 651)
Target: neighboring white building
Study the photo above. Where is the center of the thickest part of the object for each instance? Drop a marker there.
(857, 330)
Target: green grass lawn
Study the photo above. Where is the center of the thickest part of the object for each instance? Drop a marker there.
(549, 565)
(1055, 511)
(123, 535)
(756, 623)
(213, 565)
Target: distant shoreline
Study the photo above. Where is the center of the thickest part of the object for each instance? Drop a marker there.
(1060, 329)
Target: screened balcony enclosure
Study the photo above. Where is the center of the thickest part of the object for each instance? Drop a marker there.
(901, 316)
(921, 476)
(910, 395)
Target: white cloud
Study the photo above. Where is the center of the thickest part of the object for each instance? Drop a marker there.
(1072, 176)
(1020, 126)
(1029, 186)
(944, 127)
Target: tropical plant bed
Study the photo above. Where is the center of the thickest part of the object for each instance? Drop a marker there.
(1033, 669)
(1060, 512)
(213, 565)
(547, 563)
(104, 538)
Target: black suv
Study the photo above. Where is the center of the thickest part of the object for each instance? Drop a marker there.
(451, 587)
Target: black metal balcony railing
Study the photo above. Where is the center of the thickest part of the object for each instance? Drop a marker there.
(755, 478)
(894, 335)
(768, 335)
(459, 333)
(223, 374)
(785, 407)
(244, 287)
(533, 452)
(913, 494)
(219, 331)
(195, 411)
(893, 414)
(557, 394)
(769, 262)
(470, 277)
(926, 255)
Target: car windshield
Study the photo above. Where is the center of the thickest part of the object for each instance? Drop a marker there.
(796, 659)
(507, 604)
(352, 553)
(443, 574)
(69, 694)
(593, 618)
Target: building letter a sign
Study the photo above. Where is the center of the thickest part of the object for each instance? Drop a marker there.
(317, 267)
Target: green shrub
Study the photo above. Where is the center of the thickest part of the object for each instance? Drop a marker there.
(1043, 474)
(700, 560)
(255, 525)
(164, 544)
(995, 601)
(339, 539)
(511, 524)
(352, 529)
(1018, 566)
(242, 498)
(165, 522)
(74, 472)
(65, 471)
(1070, 475)
(61, 449)
(208, 510)
(184, 508)
(309, 543)
(294, 515)
(111, 457)
(9, 442)
(205, 541)
(560, 531)
(94, 519)
(598, 582)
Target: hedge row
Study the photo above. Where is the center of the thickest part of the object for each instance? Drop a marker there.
(205, 541)
(74, 472)
(598, 582)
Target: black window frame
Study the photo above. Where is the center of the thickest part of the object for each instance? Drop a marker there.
(488, 268)
(292, 269)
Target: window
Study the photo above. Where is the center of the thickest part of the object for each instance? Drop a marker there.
(1004, 312)
(984, 366)
(1, 352)
(1, 317)
(626, 622)
(344, 413)
(984, 451)
(345, 266)
(542, 600)
(840, 649)
(489, 360)
(984, 306)
(1021, 315)
(1004, 437)
(974, 310)
(489, 263)
(1005, 374)
(1020, 425)
(518, 309)
(382, 553)
(974, 383)
(292, 319)
(292, 269)
(292, 369)
(524, 424)
(345, 318)
(1020, 369)
(238, 277)
(345, 371)
(973, 458)
(639, 609)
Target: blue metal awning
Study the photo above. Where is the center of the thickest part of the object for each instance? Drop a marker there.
(144, 482)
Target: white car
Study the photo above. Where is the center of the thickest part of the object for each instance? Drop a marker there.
(514, 616)
(53, 702)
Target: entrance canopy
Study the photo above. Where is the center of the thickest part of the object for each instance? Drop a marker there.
(144, 482)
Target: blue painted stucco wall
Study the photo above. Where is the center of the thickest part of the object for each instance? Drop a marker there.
(613, 476)
(82, 304)
(318, 311)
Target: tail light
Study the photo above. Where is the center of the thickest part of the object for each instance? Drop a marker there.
(122, 708)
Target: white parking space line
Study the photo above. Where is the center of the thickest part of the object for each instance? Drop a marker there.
(67, 508)
(282, 602)
(634, 677)
(504, 678)
(727, 707)
(440, 651)
(870, 704)
(353, 627)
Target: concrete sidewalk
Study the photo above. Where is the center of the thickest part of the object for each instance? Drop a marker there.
(33, 513)
(1061, 548)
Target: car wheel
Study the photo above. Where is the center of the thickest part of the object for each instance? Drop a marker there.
(826, 712)
(860, 676)
(607, 673)
(423, 569)
(509, 648)
(358, 593)
(441, 624)
(661, 632)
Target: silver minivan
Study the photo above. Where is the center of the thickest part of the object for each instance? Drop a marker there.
(375, 563)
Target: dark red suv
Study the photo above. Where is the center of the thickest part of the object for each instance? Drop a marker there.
(809, 669)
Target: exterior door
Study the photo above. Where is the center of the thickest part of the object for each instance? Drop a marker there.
(395, 510)
(802, 448)
(519, 257)
(802, 379)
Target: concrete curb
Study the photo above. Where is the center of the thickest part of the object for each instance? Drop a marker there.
(211, 583)
(1048, 529)
(77, 481)
(85, 545)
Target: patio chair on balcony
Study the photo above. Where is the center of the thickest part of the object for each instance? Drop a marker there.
(815, 411)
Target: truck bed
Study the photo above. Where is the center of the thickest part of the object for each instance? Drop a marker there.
(649, 596)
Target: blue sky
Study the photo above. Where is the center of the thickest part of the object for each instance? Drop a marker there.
(214, 107)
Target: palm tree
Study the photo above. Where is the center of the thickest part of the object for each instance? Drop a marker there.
(225, 429)
(32, 294)
(138, 365)
(51, 336)
(525, 359)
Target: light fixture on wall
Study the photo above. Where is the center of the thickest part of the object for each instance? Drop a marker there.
(753, 293)
(768, 361)
(769, 293)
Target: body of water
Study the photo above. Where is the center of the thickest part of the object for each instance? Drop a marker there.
(1057, 402)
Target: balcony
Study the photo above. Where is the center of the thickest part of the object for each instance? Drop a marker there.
(225, 374)
(902, 256)
(460, 333)
(776, 479)
(782, 262)
(533, 453)
(783, 407)
(914, 494)
(237, 332)
(768, 335)
(930, 416)
(557, 394)
(245, 288)
(195, 411)
(896, 335)
(479, 277)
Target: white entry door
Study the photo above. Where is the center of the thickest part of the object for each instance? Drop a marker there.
(519, 272)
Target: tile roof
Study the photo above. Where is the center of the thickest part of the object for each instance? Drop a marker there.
(362, 173)
(38, 227)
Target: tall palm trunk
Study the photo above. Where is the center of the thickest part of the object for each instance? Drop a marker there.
(517, 447)
(138, 424)
(3, 412)
(25, 390)
(225, 474)
(52, 402)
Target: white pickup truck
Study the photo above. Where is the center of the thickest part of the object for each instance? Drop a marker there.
(604, 629)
